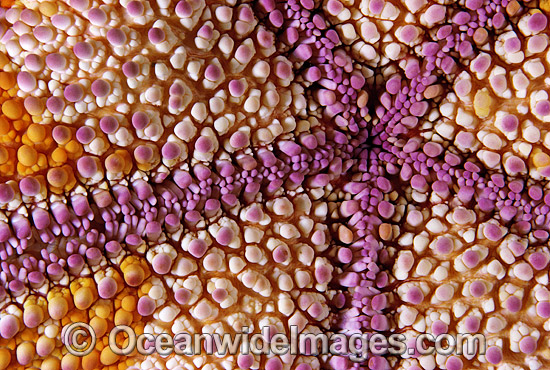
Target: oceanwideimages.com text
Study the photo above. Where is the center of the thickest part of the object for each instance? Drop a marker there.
(80, 339)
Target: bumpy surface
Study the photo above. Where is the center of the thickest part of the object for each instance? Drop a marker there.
(342, 166)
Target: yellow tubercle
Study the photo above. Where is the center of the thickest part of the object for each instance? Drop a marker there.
(129, 303)
(7, 80)
(58, 157)
(146, 287)
(70, 361)
(123, 317)
(36, 133)
(4, 155)
(5, 358)
(19, 124)
(84, 292)
(51, 363)
(541, 159)
(3, 58)
(135, 270)
(28, 335)
(12, 109)
(61, 179)
(5, 126)
(100, 326)
(33, 106)
(27, 156)
(108, 357)
(58, 307)
(91, 361)
(48, 8)
(73, 147)
(103, 309)
(76, 316)
(482, 103)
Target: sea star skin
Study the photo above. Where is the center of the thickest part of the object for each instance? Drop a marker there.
(331, 165)
(162, 221)
(464, 147)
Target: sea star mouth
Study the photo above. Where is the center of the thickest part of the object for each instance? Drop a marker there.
(339, 167)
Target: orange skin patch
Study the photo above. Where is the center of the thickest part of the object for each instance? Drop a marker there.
(28, 147)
